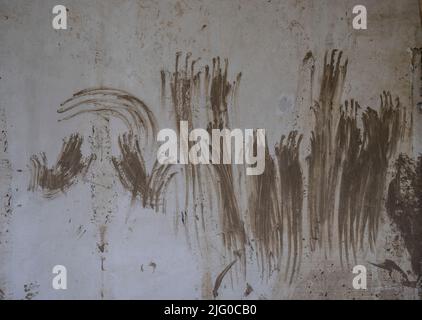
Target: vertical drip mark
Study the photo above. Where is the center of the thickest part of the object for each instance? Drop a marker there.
(103, 197)
(163, 89)
(6, 206)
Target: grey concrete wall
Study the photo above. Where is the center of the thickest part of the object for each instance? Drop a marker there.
(112, 245)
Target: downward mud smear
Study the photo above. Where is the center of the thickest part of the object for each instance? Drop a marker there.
(69, 166)
(275, 201)
(404, 206)
(134, 177)
(220, 95)
(351, 150)
(265, 215)
(291, 197)
(420, 11)
(349, 163)
(323, 160)
(365, 160)
(233, 229)
(191, 89)
(184, 85)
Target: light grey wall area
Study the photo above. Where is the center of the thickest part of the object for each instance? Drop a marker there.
(112, 245)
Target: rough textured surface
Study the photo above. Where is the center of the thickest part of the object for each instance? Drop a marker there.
(343, 119)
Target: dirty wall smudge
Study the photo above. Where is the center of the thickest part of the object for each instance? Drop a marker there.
(346, 169)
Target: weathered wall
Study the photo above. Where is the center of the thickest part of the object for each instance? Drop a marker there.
(331, 196)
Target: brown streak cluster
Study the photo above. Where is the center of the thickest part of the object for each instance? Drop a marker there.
(291, 196)
(134, 177)
(63, 174)
(189, 88)
(349, 164)
(324, 159)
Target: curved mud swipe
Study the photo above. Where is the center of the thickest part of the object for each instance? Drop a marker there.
(109, 102)
(220, 278)
(404, 206)
(69, 166)
(133, 174)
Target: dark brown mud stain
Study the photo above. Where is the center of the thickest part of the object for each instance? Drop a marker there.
(404, 206)
(102, 243)
(31, 290)
(80, 232)
(185, 85)
(420, 11)
(416, 65)
(140, 122)
(220, 95)
(163, 88)
(350, 163)
(365, 164)
(110, 102)
(234, 236)
(153, 266)
(291, 197)
(221, 90)
(69, 166)
(323, 160)
(275, 203)
(248, 290)
(220, 278)
(348, 145)
(265, 215)
(395, 272)
(149, 188)
(209, 85)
